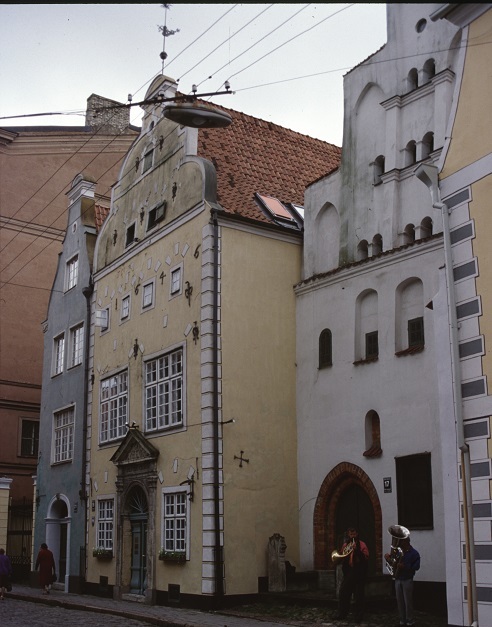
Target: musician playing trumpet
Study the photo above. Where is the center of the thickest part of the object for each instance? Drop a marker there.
(404, 573)
(354, 568)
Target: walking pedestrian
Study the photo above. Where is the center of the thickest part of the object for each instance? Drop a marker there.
(47, 568)
(5, 573)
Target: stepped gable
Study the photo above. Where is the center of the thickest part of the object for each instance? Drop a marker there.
(252, 155)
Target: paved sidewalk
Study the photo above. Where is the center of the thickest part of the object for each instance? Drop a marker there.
(258, 615)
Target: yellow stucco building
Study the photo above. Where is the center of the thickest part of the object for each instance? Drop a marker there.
(192, 428)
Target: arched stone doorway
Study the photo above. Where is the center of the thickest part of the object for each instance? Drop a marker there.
(58, 536)
(347, 496)
(136, 485)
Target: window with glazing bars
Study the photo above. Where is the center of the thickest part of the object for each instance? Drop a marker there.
(164, 391)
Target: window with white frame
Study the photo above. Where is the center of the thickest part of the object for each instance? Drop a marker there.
(148, 295)
(164, 391)
(125, 307)
(58, 354)
(63, 435)
(113, 407)
(76, 345)
(175, 521)
(72, 273)
(105, 520)
(175, 287)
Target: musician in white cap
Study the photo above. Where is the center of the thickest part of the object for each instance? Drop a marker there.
(408, 564)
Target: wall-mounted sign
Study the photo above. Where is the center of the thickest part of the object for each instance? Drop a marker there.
(387, 484)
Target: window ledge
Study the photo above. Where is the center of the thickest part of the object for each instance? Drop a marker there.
(369, 360)
(410, 351)
(374, 451)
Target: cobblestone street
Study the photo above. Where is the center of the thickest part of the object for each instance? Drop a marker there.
(27, 607)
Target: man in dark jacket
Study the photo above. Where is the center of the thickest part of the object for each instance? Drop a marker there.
(354, 576)
(405, 571)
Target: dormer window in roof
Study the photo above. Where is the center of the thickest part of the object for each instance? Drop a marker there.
(285, 214)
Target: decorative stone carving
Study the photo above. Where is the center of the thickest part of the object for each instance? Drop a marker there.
(277, 581)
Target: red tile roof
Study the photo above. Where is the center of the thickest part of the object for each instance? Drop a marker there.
(101, 213)
(252, 155)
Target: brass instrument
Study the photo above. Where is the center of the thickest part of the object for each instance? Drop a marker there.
(338, 557)
(398, 533)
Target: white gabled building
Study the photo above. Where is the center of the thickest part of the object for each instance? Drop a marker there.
(369, 309)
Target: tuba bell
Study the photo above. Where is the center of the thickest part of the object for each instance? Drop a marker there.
(397, 533)
(337, 557)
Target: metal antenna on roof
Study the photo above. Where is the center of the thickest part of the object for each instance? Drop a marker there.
(165, 33)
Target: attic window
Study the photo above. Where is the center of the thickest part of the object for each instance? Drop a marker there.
(282, 213)
(148, 160)
(156, 215)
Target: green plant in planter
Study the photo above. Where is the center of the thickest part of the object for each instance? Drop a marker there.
(172, 556)
(102, 553)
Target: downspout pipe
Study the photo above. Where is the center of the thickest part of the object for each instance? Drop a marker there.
(218, 555)
(87, 292)
(428, 175)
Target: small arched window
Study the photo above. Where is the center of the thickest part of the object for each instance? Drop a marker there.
(373, 435)
(429, 70)
(427, 145)
(325, 349)
(426, 228)
(410, 153)
(409, 234)
(412, 80)
(362, 250)
(377, 245)
(378, 169)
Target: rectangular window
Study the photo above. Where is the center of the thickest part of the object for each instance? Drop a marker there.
(164, 391)
(63, 440)
(76, 345)
(175, 522)
(113, 407)
(176, 281)
(72, 273)
(125, 307)
(147, 160)
(105, 517)
(29, 438)
(372, 345)
(130, 235)
(148, 295)
(414, 491)
(416, 332)
(156, 215)
(58, 354)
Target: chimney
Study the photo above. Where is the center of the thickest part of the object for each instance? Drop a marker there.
(100, 116)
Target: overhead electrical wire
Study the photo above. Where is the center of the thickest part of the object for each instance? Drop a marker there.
(227, 40)
(256, 43)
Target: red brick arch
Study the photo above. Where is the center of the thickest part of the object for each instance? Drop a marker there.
(336, 482)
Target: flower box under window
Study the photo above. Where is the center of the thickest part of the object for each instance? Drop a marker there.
(103, 554)
(178, 557)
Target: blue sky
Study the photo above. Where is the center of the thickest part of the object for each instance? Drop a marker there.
(285, 62)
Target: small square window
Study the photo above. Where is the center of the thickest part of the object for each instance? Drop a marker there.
(148, 295)
(372, 345)
(156, 215)
(130, 235)
(416, 332)
(125, 307)
(176, 281)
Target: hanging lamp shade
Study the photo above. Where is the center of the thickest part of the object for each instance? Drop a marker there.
(197, 115)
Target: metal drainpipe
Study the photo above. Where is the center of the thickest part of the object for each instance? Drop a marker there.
(87, 292)
(429, 176)
(218, 557)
